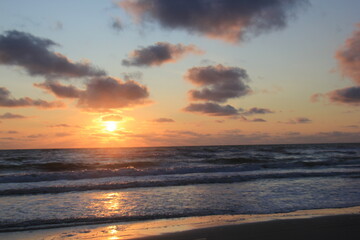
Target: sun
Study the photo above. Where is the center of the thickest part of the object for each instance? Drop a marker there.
(110, 126)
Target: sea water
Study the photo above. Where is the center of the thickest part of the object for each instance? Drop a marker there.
(66, 187)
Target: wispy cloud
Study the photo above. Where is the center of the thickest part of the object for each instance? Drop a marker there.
(115, 118)
(6, 100)
(116, 24)
(11, 116)
(163, 120)
(255, 110)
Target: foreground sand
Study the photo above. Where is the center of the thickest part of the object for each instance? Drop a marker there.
(320, 228)
(319, 224)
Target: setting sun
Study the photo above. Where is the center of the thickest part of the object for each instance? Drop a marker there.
(110, 126)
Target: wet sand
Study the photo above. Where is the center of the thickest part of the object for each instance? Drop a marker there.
(341, 223)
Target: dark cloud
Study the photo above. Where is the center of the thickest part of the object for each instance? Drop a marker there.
(11, 116)
(163, 120)
(211, 109)
(219, 83)
(255, 110)
(115, 118)
(349, 57)
(230, 20)
(116, 24)
(34, 55)
(109, 92)
(59, 90)
(350, 95)
(6, 100)
(101, 93)
(159, 53)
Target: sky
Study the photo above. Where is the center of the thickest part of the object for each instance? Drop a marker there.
(139, 73)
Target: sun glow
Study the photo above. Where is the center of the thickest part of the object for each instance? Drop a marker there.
(110, 126)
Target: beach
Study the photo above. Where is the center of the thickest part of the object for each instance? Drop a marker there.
(340, 223)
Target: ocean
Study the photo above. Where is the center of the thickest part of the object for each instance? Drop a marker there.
(48, 188)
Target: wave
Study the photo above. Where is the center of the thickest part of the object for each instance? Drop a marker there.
(70, 222)
(63, 166)
(175, 180)
(148, 168)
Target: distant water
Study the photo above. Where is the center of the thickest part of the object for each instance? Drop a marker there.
(65, 187)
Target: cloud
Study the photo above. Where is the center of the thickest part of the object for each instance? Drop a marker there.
(34, 55)
(6, 100)
(9, 132)
(255, 110)
(299, 120)
(63, 134)
(163, 120)
(159, 53)
(34, 136)
(115, 118)
(11, 116)
(110, 92)
(117, 24)
(64, 125)
(132, 76)
(349, 61)
(349, 57)
(228, 20)
(258, 120)
(219, 83)
(211, 109)
(316, 97)
(350, 95)
(59, 90)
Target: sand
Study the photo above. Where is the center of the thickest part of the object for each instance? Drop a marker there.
(320, 228)
(343, 223)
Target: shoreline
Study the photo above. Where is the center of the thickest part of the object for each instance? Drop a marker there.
(320, 222)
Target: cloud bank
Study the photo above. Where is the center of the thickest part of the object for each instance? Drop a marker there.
(159, 53)
(229, 20)
(34, 54)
